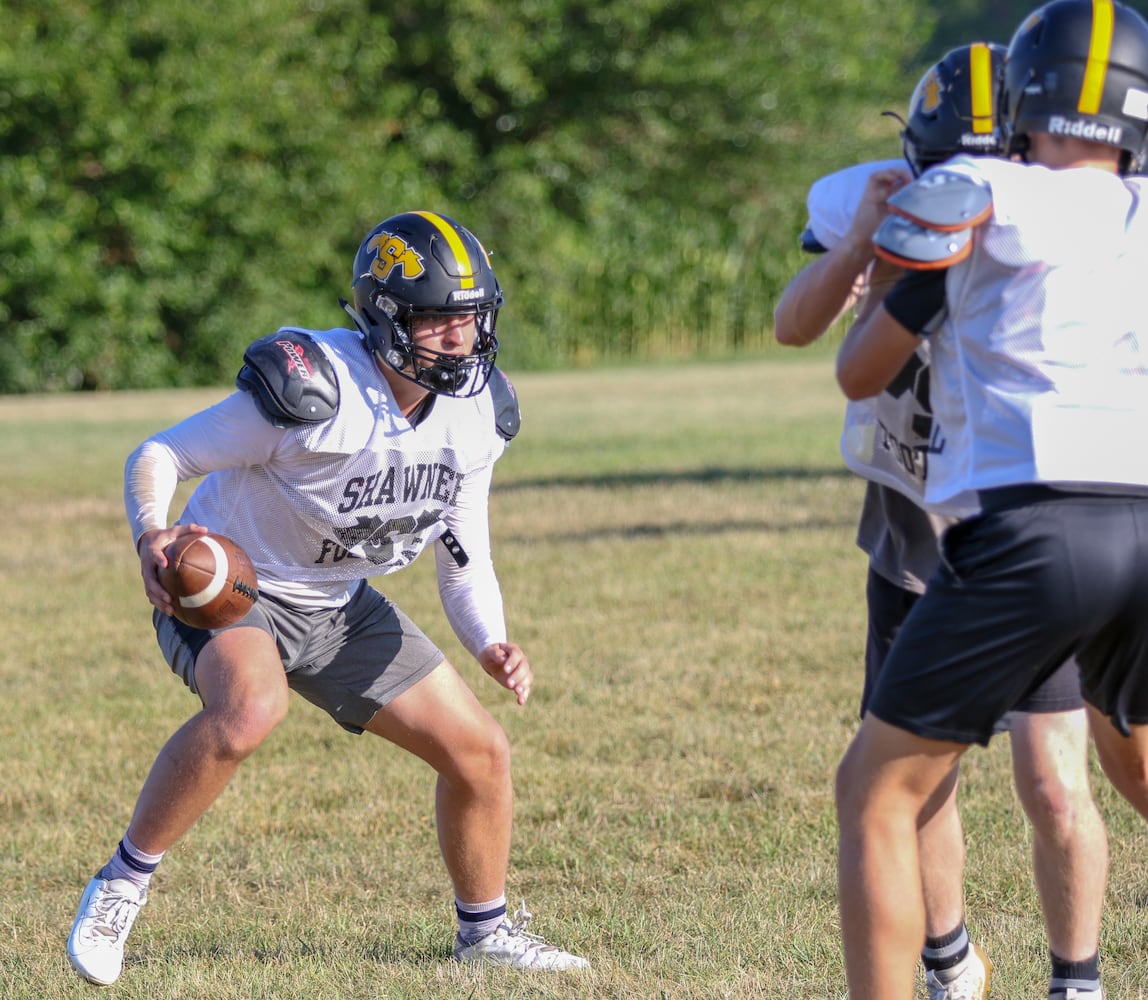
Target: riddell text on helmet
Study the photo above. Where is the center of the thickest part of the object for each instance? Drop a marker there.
(1111, 134)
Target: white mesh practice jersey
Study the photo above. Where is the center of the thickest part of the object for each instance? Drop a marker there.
(886, 438)
(1040, 370)
(319, 507)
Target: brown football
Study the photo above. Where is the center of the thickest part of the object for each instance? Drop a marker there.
(210, 579)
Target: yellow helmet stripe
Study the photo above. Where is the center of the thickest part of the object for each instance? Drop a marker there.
(1099, 49)
(981, 85)
(457, 247)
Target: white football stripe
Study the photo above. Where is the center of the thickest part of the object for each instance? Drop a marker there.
(215, 587)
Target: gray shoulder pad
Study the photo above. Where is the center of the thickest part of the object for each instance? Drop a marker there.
(291, 379)
(946, 202)
(908, 244)
(507, 416)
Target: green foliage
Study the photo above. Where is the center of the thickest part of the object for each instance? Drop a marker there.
(180, 178)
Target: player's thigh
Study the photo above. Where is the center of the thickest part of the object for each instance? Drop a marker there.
(885, 764)
(241, 669)
(441, 721)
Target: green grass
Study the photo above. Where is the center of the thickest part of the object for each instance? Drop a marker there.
(676, 549)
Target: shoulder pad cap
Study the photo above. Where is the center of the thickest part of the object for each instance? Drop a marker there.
(291, 379)
(507, 416)
(944, 201)
(909, 244)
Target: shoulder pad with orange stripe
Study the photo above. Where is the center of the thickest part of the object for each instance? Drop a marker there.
(930, 221)
(909, 244)
(947, 202)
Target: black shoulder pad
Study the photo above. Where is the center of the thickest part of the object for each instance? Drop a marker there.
(291, 379)
(507, 416)
(810, 243)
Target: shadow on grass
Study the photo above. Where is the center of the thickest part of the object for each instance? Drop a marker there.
(706, 476)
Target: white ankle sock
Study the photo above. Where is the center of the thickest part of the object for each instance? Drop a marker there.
(130, 863)
(476, 920)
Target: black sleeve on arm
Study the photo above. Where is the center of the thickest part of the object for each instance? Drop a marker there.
(917, 299)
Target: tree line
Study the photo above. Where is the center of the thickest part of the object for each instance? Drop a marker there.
(177, 179)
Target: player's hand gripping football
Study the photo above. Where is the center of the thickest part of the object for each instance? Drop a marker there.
(151, 547)
(507, 664)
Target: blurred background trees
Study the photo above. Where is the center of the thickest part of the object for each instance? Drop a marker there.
(177, 179)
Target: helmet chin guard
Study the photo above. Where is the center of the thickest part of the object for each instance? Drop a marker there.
(422, 264)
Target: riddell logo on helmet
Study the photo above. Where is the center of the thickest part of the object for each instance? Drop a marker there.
(1110, 134)
(970, 140)
(467, 294)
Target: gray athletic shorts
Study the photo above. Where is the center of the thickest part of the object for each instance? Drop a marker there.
(349, 661)
(1039, 576)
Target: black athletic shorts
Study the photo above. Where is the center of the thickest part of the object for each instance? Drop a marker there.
(890, 604)
(1040, 575)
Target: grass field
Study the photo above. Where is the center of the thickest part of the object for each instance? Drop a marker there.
(676, 550)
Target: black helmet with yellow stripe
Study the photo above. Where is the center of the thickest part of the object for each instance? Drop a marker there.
(425, 264)
(1078, 68)
(953, 107)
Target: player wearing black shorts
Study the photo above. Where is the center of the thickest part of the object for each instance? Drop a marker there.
(1040, 393)
(888, 439)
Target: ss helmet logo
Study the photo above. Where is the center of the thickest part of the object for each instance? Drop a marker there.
(930, 93)
(392, 252)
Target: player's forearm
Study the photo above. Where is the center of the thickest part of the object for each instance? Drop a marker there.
(150, 480)
(874, 350)
(820, 293)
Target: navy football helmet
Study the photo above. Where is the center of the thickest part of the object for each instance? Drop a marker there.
(953, 107)
(423, 264)
(1078, 68)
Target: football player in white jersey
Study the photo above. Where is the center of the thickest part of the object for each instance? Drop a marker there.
(888, 439)
(1026, 279)
(344, 454)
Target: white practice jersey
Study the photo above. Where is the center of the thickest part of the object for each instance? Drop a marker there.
(319, 507)
(1040, 369)
(887, 438)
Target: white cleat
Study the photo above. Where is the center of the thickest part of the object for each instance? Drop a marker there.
(107, 911)
(510, 944)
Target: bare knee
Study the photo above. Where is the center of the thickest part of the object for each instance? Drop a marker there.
(482, 761)
(1057, 809)
(846, 787)
(239, 729)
